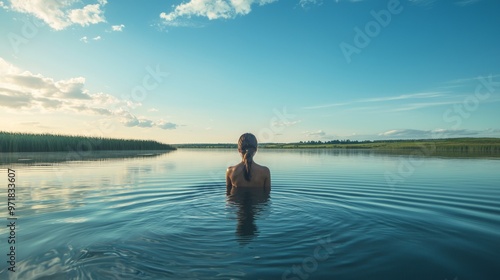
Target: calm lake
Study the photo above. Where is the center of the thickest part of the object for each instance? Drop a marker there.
(331, 215)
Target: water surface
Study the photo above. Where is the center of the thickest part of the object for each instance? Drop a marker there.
(331, 215)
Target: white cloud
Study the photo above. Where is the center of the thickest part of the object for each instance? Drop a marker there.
(277, 123)
(90, 14)
(307, 3)
(211, 9)
(59, 14)
(22, 90)
(117, 27)
(131, 121)
(85, 39)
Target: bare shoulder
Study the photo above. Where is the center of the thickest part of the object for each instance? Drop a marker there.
(267, 171)
(263, 169)
(231, 169)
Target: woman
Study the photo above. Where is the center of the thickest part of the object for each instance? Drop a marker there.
(247, 174)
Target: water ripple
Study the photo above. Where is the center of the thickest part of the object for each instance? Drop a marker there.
(166, 218)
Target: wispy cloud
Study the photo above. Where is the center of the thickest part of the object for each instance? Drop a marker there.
(449, 93)
(61, 14)
(430, 3)
(437, 133)
(211, 9)
(420, 105)
(22, 91)
(327, 105)
(466, 81)
(399, 134)
(422, 95)
(318, 133)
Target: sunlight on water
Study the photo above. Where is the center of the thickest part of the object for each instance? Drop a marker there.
(331, 215)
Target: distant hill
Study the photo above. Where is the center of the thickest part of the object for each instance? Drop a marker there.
(30, 142)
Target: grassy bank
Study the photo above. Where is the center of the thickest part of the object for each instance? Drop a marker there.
(448, 145)
(29, 142)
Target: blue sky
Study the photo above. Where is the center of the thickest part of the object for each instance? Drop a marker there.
(209, 70)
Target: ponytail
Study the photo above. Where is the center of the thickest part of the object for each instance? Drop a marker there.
(247, 161)
(247, 145)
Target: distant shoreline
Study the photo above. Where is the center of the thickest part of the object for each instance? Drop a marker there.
(30, 142)
(421, 146)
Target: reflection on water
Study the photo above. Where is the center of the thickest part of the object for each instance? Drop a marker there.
(250, 203)
(47, 158)
(168, 217)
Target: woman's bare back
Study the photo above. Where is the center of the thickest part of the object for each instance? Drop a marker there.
(235, 178)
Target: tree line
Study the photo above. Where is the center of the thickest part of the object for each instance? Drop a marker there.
(30, 142)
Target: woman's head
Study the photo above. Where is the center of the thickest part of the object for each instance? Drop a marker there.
(247, 143)
(247, 146)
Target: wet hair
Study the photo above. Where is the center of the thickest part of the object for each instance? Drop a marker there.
(247, 145)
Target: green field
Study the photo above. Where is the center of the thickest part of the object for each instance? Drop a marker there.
(29, 142)
(452, 144)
